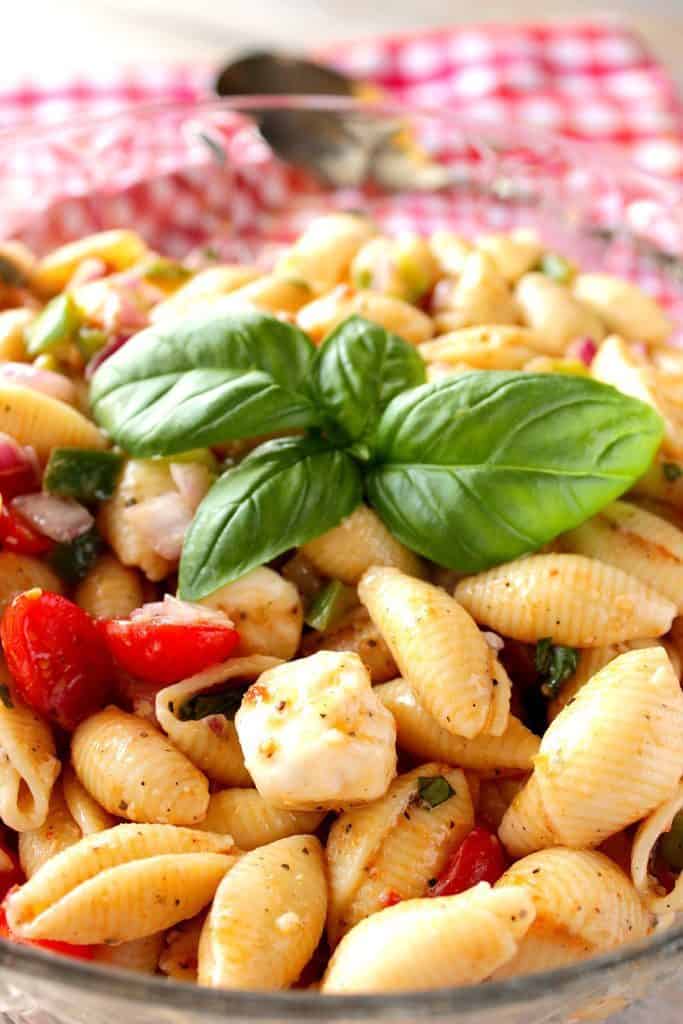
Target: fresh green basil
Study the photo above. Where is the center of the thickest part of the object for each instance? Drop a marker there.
(202, 705)
(283, 494)
(208, 378)
(433, 790)
(359, 368)
(478, 469)
(555, 663)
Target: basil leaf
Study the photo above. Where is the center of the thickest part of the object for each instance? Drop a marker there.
(284, 493)
(479, 469)
(202, 705)
(359, 368)
(554, 664)
(73, 559)
(210, 377)
(434, 790)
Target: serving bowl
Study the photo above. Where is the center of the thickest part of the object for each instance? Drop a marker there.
(201, 182)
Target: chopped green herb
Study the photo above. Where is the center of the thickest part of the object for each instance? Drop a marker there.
(330, 605)
(672, 471)
(11, 274)
(556, 267)
(554, 664)
(72, 560)
(671, 844)
(167, 271)
(5, 696)
(210, 252)
(202, 705)
(55, 325)
(434, 790)
(90, 340)
(82, 473)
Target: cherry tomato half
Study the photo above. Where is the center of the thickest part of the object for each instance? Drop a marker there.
(62, 948)
(17, 534)
(166, 652)
(58, 661)
(479, 858)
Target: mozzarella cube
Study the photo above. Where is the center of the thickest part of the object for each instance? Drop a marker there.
(315, 735)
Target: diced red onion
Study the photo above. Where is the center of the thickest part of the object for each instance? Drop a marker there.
(171, 609)
(19, 470)
(91, 269)
(60, 519)
(583, 349)
(56, 385)
(495, 642)
(128, 303)
(162, 522)
(192, 480)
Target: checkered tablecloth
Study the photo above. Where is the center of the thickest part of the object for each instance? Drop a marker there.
(593, 81)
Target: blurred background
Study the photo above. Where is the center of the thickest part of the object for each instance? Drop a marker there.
(43, 38)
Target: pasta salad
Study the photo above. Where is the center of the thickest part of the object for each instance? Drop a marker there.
(341, 610)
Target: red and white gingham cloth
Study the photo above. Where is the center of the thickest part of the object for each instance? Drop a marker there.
(589, 80)
(593, 81)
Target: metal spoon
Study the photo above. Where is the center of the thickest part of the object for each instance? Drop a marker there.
(344, 148)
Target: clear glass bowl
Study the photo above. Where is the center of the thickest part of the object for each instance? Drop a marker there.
(202, 178)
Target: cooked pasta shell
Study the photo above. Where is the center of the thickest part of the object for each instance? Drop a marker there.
(140, 480)
(13, 324)
(437, 647)
(638, 542)
(663, 484)
(272, 293)
(322, 315)
(36, 419)
(131, 769)
(322, 255)
(558, 316)
(57, 833)
(206, 286)
(86, 812)
(584, 903)
(490, 347)
(21, 572)
(139, 955)
(648, 834)
(245, 815)
(480, 296)
(266, 610)
(514, 254)
(625, 367)
(590, 662)
(356, 633)
(421, 736)
(122, 884)
(110, 590)
(624, 307)
(266, 920)
(28, 767)
(360, 541)
(573, 599)
(393, 846)
(609, 758)
(117, 248)
(432, 943)
(450, 251)
(181, 950)
(210, 743)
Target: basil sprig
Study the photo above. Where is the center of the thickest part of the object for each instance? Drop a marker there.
(205, 379)
(470, 471)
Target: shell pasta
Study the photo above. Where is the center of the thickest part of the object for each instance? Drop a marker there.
(341, 610)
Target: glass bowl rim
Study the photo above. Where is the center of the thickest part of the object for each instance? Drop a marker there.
(111, 982)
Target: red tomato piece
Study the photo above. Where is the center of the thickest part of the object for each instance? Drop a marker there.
(62, 948)
(166, 652)
(56, 656)
(479, 858)
(17, 534)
